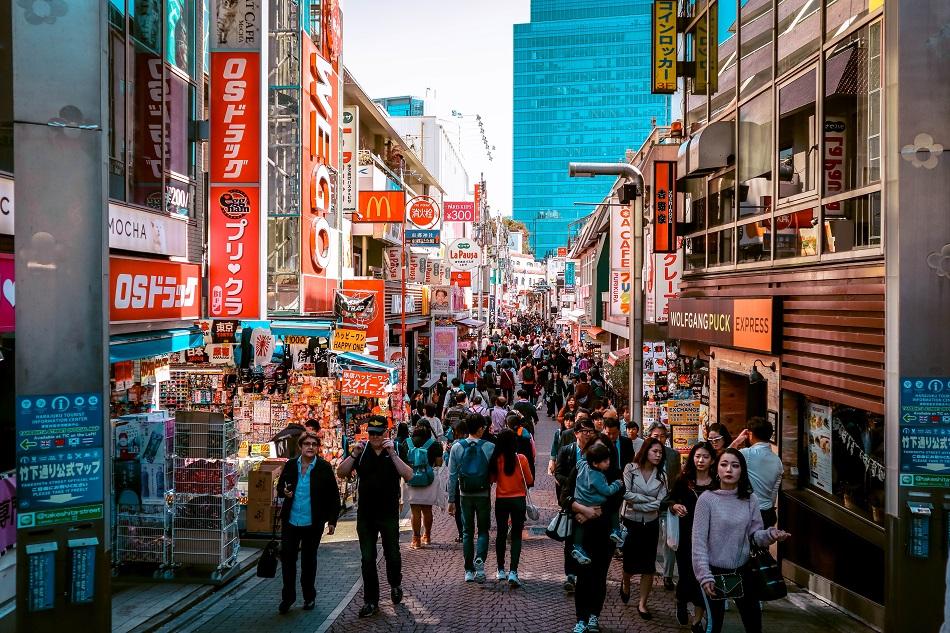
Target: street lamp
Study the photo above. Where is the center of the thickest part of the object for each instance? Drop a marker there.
(631, 176)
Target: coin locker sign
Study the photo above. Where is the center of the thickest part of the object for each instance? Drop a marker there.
(663, 71)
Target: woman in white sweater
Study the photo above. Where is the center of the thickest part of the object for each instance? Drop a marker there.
(646, 489)
(723, 522)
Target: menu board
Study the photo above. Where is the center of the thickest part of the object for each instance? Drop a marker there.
(819, 446)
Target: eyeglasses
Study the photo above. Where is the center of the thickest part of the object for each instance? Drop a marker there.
(587, 430)
(715, 439)
(311, 444)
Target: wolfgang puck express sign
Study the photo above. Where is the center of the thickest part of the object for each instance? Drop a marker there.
(741, 323)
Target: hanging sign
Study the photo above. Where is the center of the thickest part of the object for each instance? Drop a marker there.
(350, 185)
(347, 340)
(462, 279)
(234, 269)
(224, 331)
(380, 206)
(460, 212)
(663, 73)
(373, 319)
(463, 254)
(423, 212)
(363, 383)
(416, 237)
(392, 264)
(664, 206)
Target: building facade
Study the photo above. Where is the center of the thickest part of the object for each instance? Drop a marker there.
(581, 93)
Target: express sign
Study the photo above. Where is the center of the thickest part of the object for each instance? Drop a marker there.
(423, 212)
(463, 254)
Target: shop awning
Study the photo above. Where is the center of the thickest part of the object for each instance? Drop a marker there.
(617, 355)
(302, 328)
(411, 325)
(470, 322)
(595, 331)
(147, 344)
(352, 360)
(575, 315)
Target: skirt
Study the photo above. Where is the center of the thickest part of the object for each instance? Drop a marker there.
(639, 550)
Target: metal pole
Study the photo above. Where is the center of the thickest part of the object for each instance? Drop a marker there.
(636, 315)
(402, 310)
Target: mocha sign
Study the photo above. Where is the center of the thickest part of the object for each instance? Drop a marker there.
(741, 323)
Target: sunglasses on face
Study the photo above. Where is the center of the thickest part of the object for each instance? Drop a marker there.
(715, 439)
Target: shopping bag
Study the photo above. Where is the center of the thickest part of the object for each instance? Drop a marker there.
(764, 576)
(442, 487)
(561, 526)
(270, 557)
(672, 531)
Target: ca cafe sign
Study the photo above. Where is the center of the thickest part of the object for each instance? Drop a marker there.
(463, 254)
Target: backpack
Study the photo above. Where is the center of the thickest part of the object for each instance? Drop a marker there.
(422, 472)
(528, 374)
(453, 417)
(473, 470)
(598, 388)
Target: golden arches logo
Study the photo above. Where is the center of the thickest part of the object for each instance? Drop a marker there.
(381, 206)
(377, 203)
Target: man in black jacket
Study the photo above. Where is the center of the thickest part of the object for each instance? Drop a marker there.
(311, 504)
(567, 459)
(621, 448)
(529, 413)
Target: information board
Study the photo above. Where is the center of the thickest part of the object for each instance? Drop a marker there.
(925, 432)
(72, 420)
(54, 479)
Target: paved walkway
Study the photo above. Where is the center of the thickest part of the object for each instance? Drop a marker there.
(437, 599)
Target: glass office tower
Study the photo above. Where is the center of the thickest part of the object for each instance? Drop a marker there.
(581, 93)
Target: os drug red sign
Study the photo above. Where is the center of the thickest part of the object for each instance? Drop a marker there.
(152, 290)
(460, 211)
(423, 212)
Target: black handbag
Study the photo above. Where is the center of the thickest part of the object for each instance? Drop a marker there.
(765, 578)
(270, 557)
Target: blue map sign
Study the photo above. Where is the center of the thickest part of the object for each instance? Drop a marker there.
(56, 479)
(925, 432)
(420, 237)
(72, 420)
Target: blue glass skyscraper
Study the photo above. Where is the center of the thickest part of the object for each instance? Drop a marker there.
(581, 93)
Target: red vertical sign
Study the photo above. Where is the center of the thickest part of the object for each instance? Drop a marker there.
(376, 322)
(664, 206)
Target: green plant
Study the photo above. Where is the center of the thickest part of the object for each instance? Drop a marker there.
(618, 379)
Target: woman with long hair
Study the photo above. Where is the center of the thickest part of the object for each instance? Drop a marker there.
(719, 436)
(646, 489)
(696, 478)
(723, 523)
(570, 406)
(511, 473)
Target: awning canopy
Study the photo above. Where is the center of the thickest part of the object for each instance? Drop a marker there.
(470, 322)
(352, 360)
(302, 328)
(617, 355)
(595, 331)
(136, 346)
(575, 315)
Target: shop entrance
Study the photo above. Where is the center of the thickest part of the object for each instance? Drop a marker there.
(739, 400)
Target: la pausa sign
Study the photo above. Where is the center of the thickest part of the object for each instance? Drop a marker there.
(463, 254)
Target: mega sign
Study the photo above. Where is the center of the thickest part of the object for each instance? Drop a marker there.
(741, 323)
(381, 206)
(463, 254)
(460, 211)
(152, 290)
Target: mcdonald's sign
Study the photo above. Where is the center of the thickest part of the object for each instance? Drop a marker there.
(381, 206)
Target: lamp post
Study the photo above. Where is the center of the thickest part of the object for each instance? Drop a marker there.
(630, 175)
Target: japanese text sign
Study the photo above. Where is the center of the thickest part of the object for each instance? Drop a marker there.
(151, 290)
(460, 211)
(664, 206)
(416, 237)
(61, 421)
(423, 212)
(235, 111)
(58, 478)
(363, 383)
(925, 432)
(234, 269)
(663, 79)
(345, 340)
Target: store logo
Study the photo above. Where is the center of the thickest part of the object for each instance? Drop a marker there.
(234, 204)
(234, 115)
(347, 117)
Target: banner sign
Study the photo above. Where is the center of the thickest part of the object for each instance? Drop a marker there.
(663, 75)
(620, 295)
(140, 231)
(462, 279)
(416, 237)
(224, 331)
(150, 290)
(392, 264)
(423, 212)
(7, 294)
(350, 182)
(621, 238)
(360, 307)
(741, 323)
(380, 206)
(363, 383)
(668, 272)
(347, 340)
(234, 269)
(463, 254)
(416, 269)
(664, 206)
(570, 272)
(444, 351)
(460, 211)
(375, 320)
(235, 142)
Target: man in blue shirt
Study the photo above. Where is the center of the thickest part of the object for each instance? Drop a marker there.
(765, 467)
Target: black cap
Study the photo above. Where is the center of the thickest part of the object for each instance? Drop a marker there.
(377, 425)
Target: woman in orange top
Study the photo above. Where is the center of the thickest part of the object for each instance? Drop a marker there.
(511, 471)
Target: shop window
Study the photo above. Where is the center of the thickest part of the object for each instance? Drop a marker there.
(117, 13)
(178, 112)
(754, 161)
(695, 250)
(145, 17)
(283, 255)
(721, 247)
(799, 28)
(797, 143)
(694, 193)
(796, 234)
(852, 112)
(117, 123)
(146, 122)
(755, 242)
(722, 198)
(180, 35)
(844, 456)
(852, 224)
(841, 14)
(755, 47)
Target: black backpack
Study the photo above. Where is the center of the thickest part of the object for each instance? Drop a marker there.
(528, 374)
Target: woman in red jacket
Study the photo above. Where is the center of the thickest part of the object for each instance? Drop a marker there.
(511, 473)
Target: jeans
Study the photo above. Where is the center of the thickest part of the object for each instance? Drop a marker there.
(369, 529)
(475, 509)
(307, 540)
(513, 508)
(749, 609)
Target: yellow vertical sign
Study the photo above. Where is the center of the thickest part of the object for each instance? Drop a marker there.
(700, 56)
(663, 80)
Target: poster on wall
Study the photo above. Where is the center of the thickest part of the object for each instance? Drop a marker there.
(444, 352)
(819, 446)
(683, 417)
(373, 320)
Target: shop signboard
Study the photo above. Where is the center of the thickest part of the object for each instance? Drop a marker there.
(235, 113)
(423, 212)
(430, 269)
(380, 206)
(374, 321)
(620, 294)
(667, 273)
(460, 212)
(461, 278)
(819, 446)
(6, 205)
(748, 324)
(417, 269)
(664, 206)
(418, 237)
(570, 273)
(663, 74)
(7, 294)
(349, 340)
(363, 383)
(925, 432)
(151, 290)
(463, 254)
(219, 353)
(392, 264)
(234, 270)
(224, 331)
(562, 251)
(237, 24)
(835, 160)
(683, 418)
(444, 353)
(350, 183)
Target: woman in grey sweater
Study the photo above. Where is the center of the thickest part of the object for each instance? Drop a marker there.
(722, 524)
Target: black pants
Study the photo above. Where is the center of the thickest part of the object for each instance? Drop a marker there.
(369, 529)
(509, 508)
(570, 565)
(591, 589)
(687, 588)
(458, 513)
(769, 517)
(749, 609)
(306, 540)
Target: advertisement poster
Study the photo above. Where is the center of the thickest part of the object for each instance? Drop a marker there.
(683, 418)
(363, 383)
(444, 353)
(375, 320)
(441, 302)
(819, 446)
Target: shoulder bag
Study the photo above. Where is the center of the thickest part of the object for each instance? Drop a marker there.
(561, 526)
(270, 557)
(729, 585)
(531, 510)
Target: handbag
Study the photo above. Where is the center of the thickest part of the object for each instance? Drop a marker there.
(270, 557)
(672, 531)
(729, 585)
(561, 526)
(765, 579)
(531, 510)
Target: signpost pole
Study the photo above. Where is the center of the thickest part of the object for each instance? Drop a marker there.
(405, 361)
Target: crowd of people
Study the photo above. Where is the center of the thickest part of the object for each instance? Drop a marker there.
(622, 490)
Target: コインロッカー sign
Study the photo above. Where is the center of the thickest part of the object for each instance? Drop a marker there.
(741, 323)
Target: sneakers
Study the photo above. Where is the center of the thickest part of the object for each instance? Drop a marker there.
(580, 627)
(500, 576)
(593, 624)
(479, 570)
(513, 579)
(469, 576)
(580, 556)
(369, 609)
(569, 584)
(618, 536)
